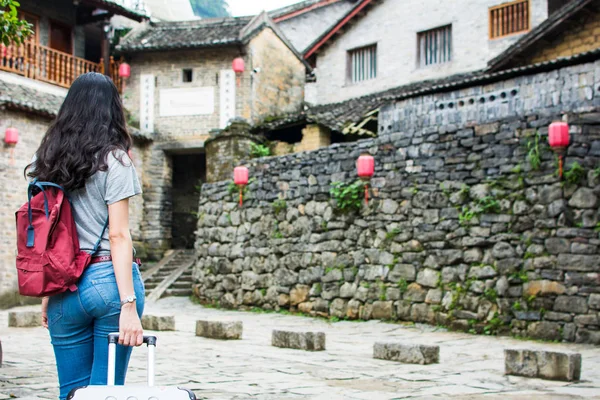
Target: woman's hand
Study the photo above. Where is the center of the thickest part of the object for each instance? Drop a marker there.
(45, 312)
(130, 326)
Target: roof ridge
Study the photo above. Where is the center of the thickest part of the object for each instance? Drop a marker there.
(202, 21)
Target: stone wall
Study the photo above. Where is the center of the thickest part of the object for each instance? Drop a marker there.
(462, 230)
(224, 153)
(573, 88)
(397, 57)
(278, 88)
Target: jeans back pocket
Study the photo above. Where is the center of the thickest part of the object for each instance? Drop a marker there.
(108, 290)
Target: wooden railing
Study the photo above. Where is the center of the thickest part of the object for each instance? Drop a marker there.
(510, 18)
(42, 63)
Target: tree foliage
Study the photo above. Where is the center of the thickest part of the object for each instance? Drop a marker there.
(12, 29)
(210, 8)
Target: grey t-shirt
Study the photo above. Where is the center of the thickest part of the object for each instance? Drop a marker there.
(90, 203)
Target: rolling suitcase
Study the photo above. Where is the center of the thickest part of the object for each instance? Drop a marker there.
(112, 392)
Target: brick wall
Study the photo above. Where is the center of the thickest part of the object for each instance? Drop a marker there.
(31, 130)
(279, 86)
(313, 137)
(14, 193)
(393, 26)
(167, 68)
(581, 36)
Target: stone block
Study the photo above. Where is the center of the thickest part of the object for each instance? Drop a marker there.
(407, 353)
(230, 330)
(158, 322)
(310, 341)
(543, 364)
(24, 319)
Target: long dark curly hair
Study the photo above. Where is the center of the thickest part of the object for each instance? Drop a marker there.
(89, 125)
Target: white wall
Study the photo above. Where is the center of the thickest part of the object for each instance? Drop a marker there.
(393, 25)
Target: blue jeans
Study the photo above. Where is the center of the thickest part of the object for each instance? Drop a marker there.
(79, 323)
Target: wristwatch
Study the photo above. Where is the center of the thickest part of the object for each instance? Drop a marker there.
(128, 299)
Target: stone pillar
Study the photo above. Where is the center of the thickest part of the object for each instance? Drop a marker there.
(227, 149)
(157, 185)
(314, 137)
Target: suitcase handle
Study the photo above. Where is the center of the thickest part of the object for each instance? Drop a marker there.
(113, 339)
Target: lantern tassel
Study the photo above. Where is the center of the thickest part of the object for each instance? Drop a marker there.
(12, 155)
(560, 166)
(241, 197)
(367, 193)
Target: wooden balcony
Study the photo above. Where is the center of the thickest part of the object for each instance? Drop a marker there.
(42, 63)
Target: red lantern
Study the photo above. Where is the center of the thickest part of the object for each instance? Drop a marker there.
(124, 70)
(365, 166)
(238, 65)
(11, 136)
(558, 137)
(240, 178)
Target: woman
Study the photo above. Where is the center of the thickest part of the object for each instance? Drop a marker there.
(86, 151)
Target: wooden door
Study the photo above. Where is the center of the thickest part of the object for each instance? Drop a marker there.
(61, 37)
(35, 22)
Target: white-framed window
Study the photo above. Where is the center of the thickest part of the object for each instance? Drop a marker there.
(362, 64)
(435, 46)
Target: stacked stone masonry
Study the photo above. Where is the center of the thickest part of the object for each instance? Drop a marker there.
(461, 232)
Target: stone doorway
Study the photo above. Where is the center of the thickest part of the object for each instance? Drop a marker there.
(189, 172)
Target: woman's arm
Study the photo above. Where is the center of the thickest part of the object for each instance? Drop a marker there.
(121, 250)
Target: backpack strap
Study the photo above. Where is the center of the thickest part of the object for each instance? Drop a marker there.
(30, 231)
(97, 245)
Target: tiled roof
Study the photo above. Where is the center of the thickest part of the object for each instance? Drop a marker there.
(295, 8)
(29, 99)
(211, 32)
(117, 7)
(358, 11)
(337, 116)
(539, 33)
(23, 98)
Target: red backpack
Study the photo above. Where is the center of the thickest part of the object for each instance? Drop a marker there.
(49, 260)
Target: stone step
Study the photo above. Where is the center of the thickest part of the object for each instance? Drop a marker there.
(178, 292)
(181, 285)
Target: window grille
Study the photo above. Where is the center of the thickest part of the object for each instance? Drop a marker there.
(362, 64)
(435, 46)
(510, 18)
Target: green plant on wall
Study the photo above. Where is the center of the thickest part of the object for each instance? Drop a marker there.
(348, 196)
(485, 205)
(259, 150)
(234, 189)
(533, 152)
(575, 173)
(279, 205)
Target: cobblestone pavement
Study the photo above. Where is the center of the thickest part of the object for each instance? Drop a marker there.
(471, 367)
